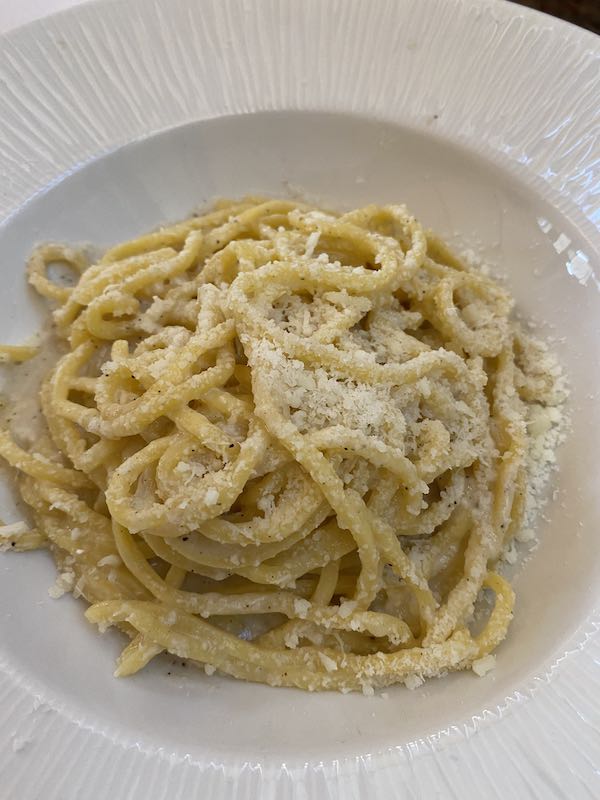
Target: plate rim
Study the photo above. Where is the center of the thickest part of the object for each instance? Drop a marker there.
(583, 646)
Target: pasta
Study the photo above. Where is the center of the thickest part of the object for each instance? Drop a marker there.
(283, 443)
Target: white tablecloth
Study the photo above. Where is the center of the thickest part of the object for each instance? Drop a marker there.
(17, 12)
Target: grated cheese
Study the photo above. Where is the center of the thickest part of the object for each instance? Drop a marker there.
(64, 583)
(484, 665)
(413, 682)
(110, 561)
(329, 664)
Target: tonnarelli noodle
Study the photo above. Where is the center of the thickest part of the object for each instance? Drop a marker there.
(286, 444)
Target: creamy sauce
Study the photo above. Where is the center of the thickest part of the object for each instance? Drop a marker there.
(20, 385)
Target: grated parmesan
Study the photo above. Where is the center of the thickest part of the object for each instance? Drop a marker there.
(112, 560)
(211, 497)
(413, 682)
(329, 663)
(64, 583)
(484, 665)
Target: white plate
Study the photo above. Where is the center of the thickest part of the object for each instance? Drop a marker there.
(483, 117)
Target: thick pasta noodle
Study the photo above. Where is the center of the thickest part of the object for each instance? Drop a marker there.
(286, 444)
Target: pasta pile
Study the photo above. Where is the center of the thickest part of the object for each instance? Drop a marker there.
(286, 444)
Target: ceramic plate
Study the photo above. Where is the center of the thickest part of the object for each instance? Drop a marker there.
(483, 117)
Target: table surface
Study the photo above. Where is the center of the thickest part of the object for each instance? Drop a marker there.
(17, 12)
